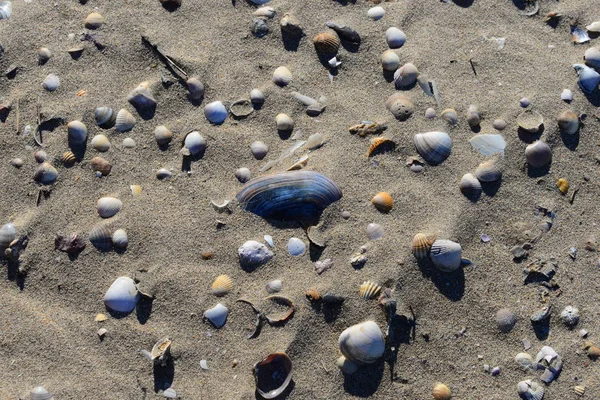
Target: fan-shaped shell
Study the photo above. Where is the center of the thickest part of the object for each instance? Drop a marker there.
(446, 255)
(161, 349)
(293, 195)
(163, 135)
(222, 285)
(101, 236)
(46, 174)
(369, 290)
(362, 343)
(568, 122)
(195, 143)
(39, 392)
(282, 76)
(51, 83)
(538, 154)
(119, 239)
(488, 171)
(5, 9)
(383, 201)
(101, 143)
(124, 121)
(108, 206)
(77, 132)
(406, 76)
(195, 88)
(470, 186)
(94, 21)
(68, 158)
(421, 245)
(327, 43)
(122, 295)
(434, 147)
(105, 117)
(589, 79)
(530, 390)
(592, 57)
(217, 315)
(7, 235)
(273, 375)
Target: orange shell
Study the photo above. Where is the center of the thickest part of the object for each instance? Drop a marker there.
(380, 143)
(68, 158)
(222, 285)
(313, 294)
(383, 201)
(563, 185)
(441, 392)
(326, 43)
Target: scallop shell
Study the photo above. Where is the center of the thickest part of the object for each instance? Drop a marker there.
(293, 195)
(94, 21)
(568, 122)
(273, 375)
(406, 76)
(369, 290)
(38, 392)
(380, 145)
(77, 132)
(46, 174)
(122, 295)
(217, 315)
(195, 88)
(313, 294)
(327, 43)
(390, 60)
(383, 201)
(105, 117)
(284, 122)
(395, 38)
(592, 57)
(488, 171)
(163, 135)
(282, 76)
(68, 158)
(215, 112)
(434, 147)
(51, 83)
(530, 390)
(100, 143)
(274, 286)
(441, 392)
(421, 245)
(470, 186)
(119, 239)
(100, 236)
(362, 343)
(446, 255)
(161, 349)
(538, 154)
(108, 206)
(141, 97)
(5, 9)
(8, 233)
(194, 143)
(530, 121)
(259, 149)
(124, 121)
(222, 285)
(101, 165)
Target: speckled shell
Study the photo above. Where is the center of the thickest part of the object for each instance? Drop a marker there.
(362, 343)
(266, 382)
(7, 235)
(119, 239)
(446, 255)
(122, 295)
(124, 121)
(100, 236)
(215, 112)
(282, 76)
(108, 206)
(163, 135)
(530, 390)
(100, 143)
(488, 171)
(470, 186)
(94, 21)
(383, 201)
(141, 97)
(434, 147)
(568, 122)
(77, 132)
(400, 106)
(222, 285)
(369, 290)
(538, 154)
(441, 392)
(327, 43)
(293, 195)
(421, 245)
(105, 117)
(46, 174)
(195, 88)
(68, 158)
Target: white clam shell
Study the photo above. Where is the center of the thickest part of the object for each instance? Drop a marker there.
(257, 96)
(194, 142)
(395, 38)
(217, 315)
(141, 97)
(376, 13)
(488, 171)
(124, 121)
(296, 247)
(77, 132)
(446, 255)
(470, 186)
(51, 83)
(390, 60)
(215, 112)
(122, 295)
(282, 76)
(7, 234)
(362, 343)
(566, 95)
(589, 79)
(128, 143)
(259, 149)
(108, 206)
(195, 88)
(40, 393)
(5, 9)
(101, 143)
(284, 122)
(243, 174)
(434, 147)
(594, 27)
(592, 57)
(119, 239)
(487, 144)
(274, 286)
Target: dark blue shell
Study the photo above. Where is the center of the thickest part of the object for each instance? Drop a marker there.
(293, 195)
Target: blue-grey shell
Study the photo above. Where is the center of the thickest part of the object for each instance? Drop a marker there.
(293, 195)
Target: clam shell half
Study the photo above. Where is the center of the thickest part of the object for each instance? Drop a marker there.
(273, 375)
(362, 343)
(434, 147)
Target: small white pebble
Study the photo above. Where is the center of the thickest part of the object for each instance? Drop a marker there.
(203, 364)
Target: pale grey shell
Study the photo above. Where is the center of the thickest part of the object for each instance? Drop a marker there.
(141, 97)
(119, 239)
(395, 38)
(77, 132)
(44, 55)
(124, 121)
(163, 135)
(296, 247)
(274, 286)
(488, 171)
(40, 156)
(259, 149)
(282, 76)
(40, 392)
(284, 122)
(406, 76)
(5, 9)
(592, 57)
(217, 315)
(434, 147)
(390, 60)
(105, 117)
(100, 236)
(589, 79)
(243, 174)
(215, 112)
(470, 186)
(101, 143)
(257, 97)
(374, 231)
(7, 235)
(538, 154)
(530, 390)
(128, 143)
(376, 13)
(46, 174)
(446, 255)
(108, 206)
(194, 142)
(122, 295)
(51, 83)
(568, 122)
(195, 88)
(362, 343)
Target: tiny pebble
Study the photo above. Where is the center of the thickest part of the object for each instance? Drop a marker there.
(430, 113)
(102, 332)
(526, 344)
(524, 102)
(499, 124)
(496, 371)
(345, 214)
(376, 13)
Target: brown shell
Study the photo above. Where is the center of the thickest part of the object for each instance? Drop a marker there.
(313, 294)
(369, 290)
(327, 43)
(274, 319)
(68, 158)
(441, 392)
(563, 185)
(383, 201)
(380, 144)
(101, 165)
(222, 285)
(421, 244)
(161, 348)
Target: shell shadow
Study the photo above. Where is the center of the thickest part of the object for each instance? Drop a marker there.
(285, 134)
(147, 112)
(116, 314)
(51, 124)
(324, 59)
(349, 46)
(570, 141)
(388, 75)
(330, 311)
(163, 375)
(476, 128)
(284, 395)
(463, 3)
(594, 97)
(186, 162)
(399, 333)
(170, 7)
(346, 2)
(529, 137)
(533, 172)
(143, 309)
(196, 102)
(4, 114)
(13, 272)
(541, 329)
(290, 42)
(451, 285)
(315, 252)
(491, 188)
(365, 381)
(79, 150)
(473, 197)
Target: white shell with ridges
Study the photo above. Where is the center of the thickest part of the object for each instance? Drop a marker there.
(108, 206)
(434, 147)
(125, 121)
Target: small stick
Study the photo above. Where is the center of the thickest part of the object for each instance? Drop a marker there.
(573, 195)
(472, 66)
(168, 61)
(39, 122)
(17, 119)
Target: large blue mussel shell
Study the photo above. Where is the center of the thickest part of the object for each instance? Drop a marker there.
(293, 195)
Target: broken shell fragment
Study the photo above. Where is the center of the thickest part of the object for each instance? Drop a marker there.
(101, 165)
(362, 343)
(273, 375)
(217, 315)
(241, 108)
(383, 202)
(568, 122)
(380, 145)
(282, 76)
(549, 361)
(108, 206)
(579, 35)
(276, 318)
(161, 350)
(367, 128)
(400, 106)
(327, 43)
(222, 285)
(446, 255)
(122, 295)
(589, 79)
(369, 290)
(530, 390)
(530, 121)
(434, 147)
(313, 295)
(345, 33)
(538, 154)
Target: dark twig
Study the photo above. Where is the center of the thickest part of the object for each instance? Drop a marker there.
(166, 60)
(472, 66)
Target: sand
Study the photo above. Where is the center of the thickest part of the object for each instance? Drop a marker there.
(47, 329)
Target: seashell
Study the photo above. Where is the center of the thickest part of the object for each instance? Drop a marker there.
(195, 88)
(136, 190)
(68, 158)
(588, 78)
(141, 97)
(369, 290)
(315, 141)
(525, 361)
(434, 147)
(119, 239)
(380, 145)
(17, 162)
(524, 102)
(446, 255)
(222, 285)
(530, 390)
(122, 295)
(259, 2)
(161, 350)
(541, 314)
(530, 121)
(390, 60)
(593, 352)
(450, 115)
(100, 236)
(282, 76)
(538, 154)
(406, 76)
(395, 38)
(40, 156)
(570, 316)
(327, 43)
(124, 121)
(441, 392)
(268, 12)
(163, 173)
(38, 392)
(505, 320)
(367, 128)
(75, 52)
(77, 132)
(100, 143)
(376, 13)
(105, 117)
(346, 366)
(259, 149)
(499, 124)
(488, 144)
(241, 108)
(292, 195)
(217, 315)
(282, 301)
(274, 286)
(5, 9)
(430, 113)
(284, 122)
(579, 35)
(296, 247)
(548, 360)
(46, 174)
(253, 254)
(562, 185)
(8, 233)
(273, 374)
(313, 294)
(194, 143)
(470, 186)
(592, 57)
(94, 21)
(473, 118)
(101, 165)
(257, 97)
(594, 27)
(383, 201)
(488, 171)
(568, 122)
(374, 231)
(269, 240)
(44, 55)
(108, 206)
(243, 174)
(421, 245)
(579, 390)
(51, 83)
(215, 112)
(566, 95)
(163, 135)
(345, 33)
(290, 26)
(400, 106)
(362, 343)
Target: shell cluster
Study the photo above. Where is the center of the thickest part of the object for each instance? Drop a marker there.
(445, 255)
